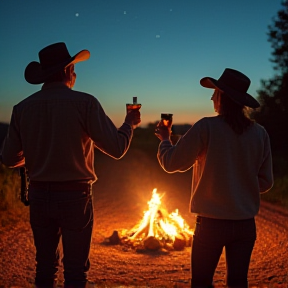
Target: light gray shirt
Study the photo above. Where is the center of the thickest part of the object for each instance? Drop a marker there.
(54, 132)
(229, 170)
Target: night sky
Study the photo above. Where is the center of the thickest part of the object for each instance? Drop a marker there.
(157, 50)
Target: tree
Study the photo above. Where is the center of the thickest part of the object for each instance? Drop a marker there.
(273, 95)
(278, 36)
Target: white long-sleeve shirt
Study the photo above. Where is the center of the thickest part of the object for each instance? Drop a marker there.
(229, 170)
(54, 133)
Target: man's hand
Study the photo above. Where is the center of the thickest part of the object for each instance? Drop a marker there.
(162, 131)
(133, 118)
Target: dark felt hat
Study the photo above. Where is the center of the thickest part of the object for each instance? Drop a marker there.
(235, 85)
(52, 59)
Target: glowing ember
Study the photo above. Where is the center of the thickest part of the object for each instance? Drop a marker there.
(158, 229)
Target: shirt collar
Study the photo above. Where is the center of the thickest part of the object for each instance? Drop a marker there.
(59, 85)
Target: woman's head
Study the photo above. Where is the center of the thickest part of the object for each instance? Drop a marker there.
(234, 84)
(234, 114)
(216, 98)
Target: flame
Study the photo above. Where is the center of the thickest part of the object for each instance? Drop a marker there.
(149, 216)
(158, 224)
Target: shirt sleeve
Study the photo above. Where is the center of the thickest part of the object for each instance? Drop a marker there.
(12, 152)
(182, 156)
(107, 138)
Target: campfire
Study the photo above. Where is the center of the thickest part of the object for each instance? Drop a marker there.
(157, 230)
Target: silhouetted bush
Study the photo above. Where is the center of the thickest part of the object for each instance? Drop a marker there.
(10, 205)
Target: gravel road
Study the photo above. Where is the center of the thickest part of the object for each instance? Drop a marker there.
(114, 266)
(120, 197)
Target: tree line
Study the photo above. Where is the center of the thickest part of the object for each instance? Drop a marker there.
(273, 94)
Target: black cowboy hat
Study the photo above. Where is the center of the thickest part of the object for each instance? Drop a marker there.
(235, 85)
(53, 58)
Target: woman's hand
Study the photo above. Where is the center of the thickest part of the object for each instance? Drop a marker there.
(162, 131)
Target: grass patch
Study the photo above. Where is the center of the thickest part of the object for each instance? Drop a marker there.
(11, 208)
(279, 192)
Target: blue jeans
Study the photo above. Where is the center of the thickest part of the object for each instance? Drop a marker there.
(67, 213)
(210, 236)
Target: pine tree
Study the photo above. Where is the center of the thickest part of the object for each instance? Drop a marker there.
(273, 94)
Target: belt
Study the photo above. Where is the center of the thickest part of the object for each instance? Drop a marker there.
(61, 186)
(200, 219)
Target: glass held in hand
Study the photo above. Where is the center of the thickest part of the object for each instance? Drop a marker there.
(134, 106)
(167, 119)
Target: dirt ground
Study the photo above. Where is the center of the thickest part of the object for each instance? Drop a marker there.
(120, 197)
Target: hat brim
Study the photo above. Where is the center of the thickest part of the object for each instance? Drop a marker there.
(240, 98)
(34, 74)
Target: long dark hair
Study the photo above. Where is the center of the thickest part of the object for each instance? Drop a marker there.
(234, 114)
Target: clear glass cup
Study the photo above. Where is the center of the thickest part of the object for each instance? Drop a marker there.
(130, 107)
(167, 118)
(133, 106)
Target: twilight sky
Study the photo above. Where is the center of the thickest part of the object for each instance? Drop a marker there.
(157, 50)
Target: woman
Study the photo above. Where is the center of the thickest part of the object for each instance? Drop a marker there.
(231, 159)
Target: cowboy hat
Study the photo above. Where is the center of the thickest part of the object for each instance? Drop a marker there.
(235, 85)
(53, 58)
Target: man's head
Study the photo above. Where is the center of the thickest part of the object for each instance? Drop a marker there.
(54, 61)
(66, 76)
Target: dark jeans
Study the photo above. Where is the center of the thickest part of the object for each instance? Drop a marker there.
(67, 213)
(210, 236)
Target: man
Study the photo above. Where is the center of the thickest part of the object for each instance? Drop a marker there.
(53, 133)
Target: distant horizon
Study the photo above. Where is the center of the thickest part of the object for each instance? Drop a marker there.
(179, 118)
(140, 126)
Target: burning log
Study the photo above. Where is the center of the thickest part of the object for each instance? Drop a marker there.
(152, 243)
(179, 242)
(114, 239)
(143, 228)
